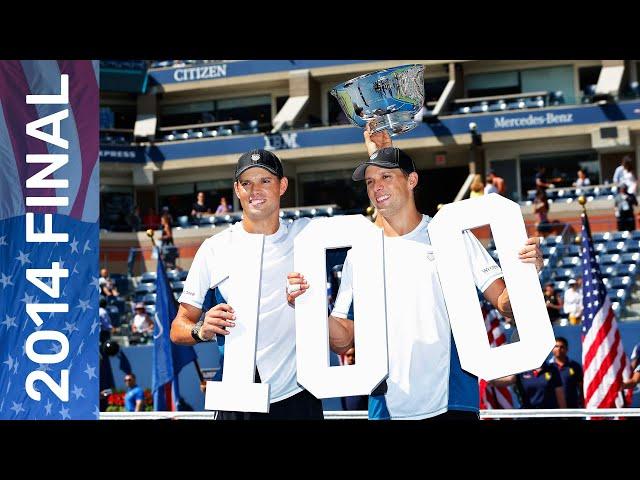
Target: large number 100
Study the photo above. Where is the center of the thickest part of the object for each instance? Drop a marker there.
(237, 391)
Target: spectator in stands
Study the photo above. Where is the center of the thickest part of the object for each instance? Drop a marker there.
(105, 323)
(539, 388)
(620, 170)
(541, 180)
(167, 232)
(541, 209)
(151, 220)
(617, 174)
(107, 285)
(223, 207)
(134, 398)
(553, 302)
(356, 402)
(142, 323)
(134, 221)
(496, 182)
(570, 374)
(583, 180)
(477, 187)
(199, 207)
(573, 302)
(624, 203)
(627, 177)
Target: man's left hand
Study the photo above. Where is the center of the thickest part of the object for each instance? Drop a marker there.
(531, 253)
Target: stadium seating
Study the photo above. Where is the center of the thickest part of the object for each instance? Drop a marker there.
(571, 194)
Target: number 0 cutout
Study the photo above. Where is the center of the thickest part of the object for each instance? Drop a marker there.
(237, 390)
(312, 328)
(536, 334)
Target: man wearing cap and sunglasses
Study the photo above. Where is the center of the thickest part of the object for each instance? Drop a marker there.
(425, 378)
(259, 184)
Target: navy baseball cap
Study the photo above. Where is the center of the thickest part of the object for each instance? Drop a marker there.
(259, 158)
(388, 157)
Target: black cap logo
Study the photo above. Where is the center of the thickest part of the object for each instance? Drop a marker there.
(255, 157)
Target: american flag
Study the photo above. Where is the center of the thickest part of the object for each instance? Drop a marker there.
(603, 358)
(494, 398)
(79, 255)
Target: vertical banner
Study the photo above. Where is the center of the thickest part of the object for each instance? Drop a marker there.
(49, 208)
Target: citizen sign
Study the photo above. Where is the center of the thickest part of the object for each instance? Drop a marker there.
(533, 120)
(200, 73)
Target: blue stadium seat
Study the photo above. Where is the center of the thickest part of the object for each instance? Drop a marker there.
(600, 237)
(548, 251)
(620, 295)
(149, 299)
(563, 274)
(537, 102)
(182, 275)
(617, 283)
(498, 106)
(609, 259)
(177, 285)
(183, 221)
(151, 309)
(560, 285)
(148, 277)
(628, 269)
(635, 234)
(618, 236)
(615, 247)
(480, 108)
(572, 250)
(172, 274)
(569, 262)
(517, 104)
(600, 248)
(609, 270)
(145, 288)
(633, 258)
(552, 240)
(631, 246)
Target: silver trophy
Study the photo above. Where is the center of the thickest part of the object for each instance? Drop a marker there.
(388, 98)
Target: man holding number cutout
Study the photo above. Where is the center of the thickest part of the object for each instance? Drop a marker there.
(259, 184)
(425, 378)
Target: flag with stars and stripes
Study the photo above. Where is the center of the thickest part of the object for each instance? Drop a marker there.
(34, 358)
(492, 397)
(603, 358)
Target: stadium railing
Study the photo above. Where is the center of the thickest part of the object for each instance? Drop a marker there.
(609, 413)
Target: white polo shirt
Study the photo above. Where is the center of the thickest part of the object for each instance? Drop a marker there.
(419, 334)
(276, 349)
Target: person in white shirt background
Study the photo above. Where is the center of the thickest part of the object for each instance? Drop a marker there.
(573, 301)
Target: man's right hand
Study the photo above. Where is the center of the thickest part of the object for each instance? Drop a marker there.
(376, 141)
(295, 278)
(216, 319)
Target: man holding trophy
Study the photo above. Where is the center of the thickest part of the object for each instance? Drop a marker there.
(425, 378)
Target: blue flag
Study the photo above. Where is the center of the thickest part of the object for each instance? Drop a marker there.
(49, 365)
(168, 358)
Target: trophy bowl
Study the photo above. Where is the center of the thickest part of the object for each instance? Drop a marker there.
(389, 98)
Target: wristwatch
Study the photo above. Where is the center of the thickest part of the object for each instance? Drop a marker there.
(195, 332)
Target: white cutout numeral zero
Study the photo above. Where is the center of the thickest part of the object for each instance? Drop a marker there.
(509, 233)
